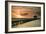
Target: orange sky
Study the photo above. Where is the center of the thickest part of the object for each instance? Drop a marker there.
(20, 12)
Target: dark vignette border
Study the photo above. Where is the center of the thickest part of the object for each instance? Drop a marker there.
(6, 16)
